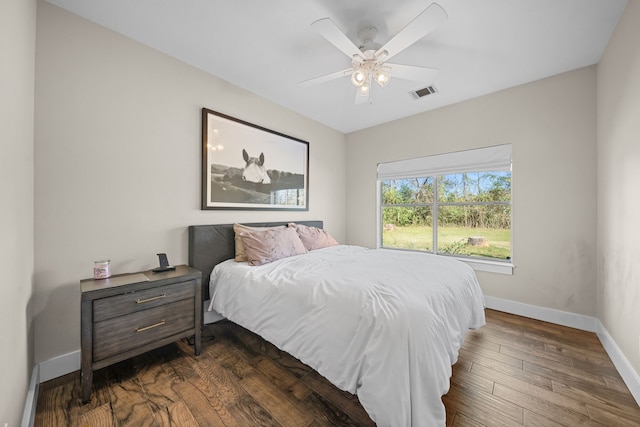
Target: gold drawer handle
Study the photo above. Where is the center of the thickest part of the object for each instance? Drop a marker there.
(142, 301)
(155, 325)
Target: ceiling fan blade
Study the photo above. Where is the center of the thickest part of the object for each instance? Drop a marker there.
(326, 77)
(327, 29)
(428, 20)
(410, 72)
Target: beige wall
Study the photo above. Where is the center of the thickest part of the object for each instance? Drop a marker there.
(117, 140)
(17, 47)
(551, 125)
(619, 185)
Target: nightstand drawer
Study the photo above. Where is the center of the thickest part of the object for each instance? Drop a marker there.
(119, 334)
(107, 308)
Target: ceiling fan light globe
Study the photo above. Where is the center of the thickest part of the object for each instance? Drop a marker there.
(358, 77)
(364, 89)
(382, 76)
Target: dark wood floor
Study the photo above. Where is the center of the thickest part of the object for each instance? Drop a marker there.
(514, 371)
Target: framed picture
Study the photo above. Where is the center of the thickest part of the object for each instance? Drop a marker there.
(246, 166)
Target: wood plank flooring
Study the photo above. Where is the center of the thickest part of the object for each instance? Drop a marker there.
(512, 372)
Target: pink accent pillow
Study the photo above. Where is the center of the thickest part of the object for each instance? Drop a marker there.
(269, 245)
(239, 228)
(313, 237)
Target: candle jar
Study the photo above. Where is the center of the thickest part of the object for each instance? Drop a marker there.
(102, 269)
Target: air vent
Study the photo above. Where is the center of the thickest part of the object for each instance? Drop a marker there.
(420, 93)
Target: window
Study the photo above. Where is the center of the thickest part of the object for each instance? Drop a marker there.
(456, 204)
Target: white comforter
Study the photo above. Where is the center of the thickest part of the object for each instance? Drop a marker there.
(384, 324)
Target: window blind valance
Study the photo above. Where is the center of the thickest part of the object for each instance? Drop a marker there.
(496, 158)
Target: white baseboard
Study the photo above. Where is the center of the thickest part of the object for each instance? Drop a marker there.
(578, 321)
(564, 318)
(59, 366)
(31, 401)
(628, 374)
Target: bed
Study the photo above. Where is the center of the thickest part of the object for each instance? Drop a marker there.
(385, 325)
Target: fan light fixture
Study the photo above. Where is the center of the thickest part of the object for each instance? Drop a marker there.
(368, 70)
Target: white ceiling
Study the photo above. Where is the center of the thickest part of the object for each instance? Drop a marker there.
(268, 46)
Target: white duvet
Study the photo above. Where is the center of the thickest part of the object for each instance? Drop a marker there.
(386, 325)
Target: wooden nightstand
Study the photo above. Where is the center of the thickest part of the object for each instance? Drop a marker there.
(130, 314)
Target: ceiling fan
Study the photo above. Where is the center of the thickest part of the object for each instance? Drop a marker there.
(369, 61)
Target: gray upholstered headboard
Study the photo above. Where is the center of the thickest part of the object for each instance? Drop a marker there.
(209, 245)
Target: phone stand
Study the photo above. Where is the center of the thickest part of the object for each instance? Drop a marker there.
(164, 264)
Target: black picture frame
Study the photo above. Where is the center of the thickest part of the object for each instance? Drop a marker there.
(249, 167)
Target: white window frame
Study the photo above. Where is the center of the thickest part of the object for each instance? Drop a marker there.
(483, 159)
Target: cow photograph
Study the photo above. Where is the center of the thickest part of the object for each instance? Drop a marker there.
(245, 166)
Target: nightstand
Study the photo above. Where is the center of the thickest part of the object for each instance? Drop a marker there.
(130, 314)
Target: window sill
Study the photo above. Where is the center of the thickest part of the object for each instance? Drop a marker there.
(500, 267)
(487, 265)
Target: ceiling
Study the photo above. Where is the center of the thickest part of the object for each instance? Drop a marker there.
(269, 46)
